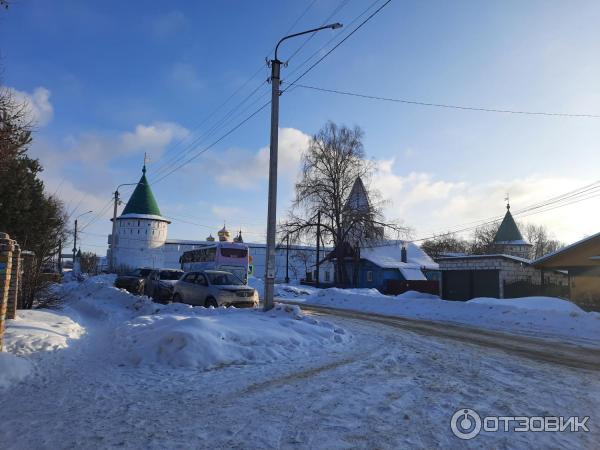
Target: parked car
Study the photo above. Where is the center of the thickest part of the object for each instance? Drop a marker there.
(214, 288)
(159, 284)
(133, 282)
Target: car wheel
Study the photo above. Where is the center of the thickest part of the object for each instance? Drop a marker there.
(211, 302)
(177, 299)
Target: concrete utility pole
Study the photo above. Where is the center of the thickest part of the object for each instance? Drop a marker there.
(317, 278)
(75, 236)
(272, 203)
(113, 234)
(287, 260)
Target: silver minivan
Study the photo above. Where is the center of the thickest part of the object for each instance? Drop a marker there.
(214, 288)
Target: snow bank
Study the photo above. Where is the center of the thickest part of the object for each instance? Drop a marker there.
(534, 303)
(544, 317)
(40, 330)
(13, 369)
(281, 290)
(209, 338)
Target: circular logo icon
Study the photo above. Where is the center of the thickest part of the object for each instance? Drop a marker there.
(465, 424)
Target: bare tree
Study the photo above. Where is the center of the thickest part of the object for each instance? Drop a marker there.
(445, 243)
(89, 263)
(331, 168)
(540, 238)
(482, 241)
(15, 128)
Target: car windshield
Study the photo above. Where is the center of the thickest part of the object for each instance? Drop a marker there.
(223, 278)
(141, 272)
(170, 275)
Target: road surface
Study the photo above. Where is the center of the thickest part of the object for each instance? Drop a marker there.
(388, 388)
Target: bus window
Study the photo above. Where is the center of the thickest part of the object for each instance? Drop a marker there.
(233, 252)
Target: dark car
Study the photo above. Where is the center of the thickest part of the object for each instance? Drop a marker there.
(159, 284)
(133, 282)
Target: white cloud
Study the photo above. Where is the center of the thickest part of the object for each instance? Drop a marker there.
(37, 103)
(250, 170)
(153, 137)
(432, 205)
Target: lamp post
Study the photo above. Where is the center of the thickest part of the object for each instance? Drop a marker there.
(75, 235)
(113, 236)
(272, 204)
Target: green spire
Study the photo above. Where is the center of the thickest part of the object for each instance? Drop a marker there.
(142, 200)
(508, 231)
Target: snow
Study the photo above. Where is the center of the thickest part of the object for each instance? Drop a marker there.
(542, 317)
(388, 254)
(210, 338)
(139, 377)
(12, 369)
(40, 330)
(532, 303)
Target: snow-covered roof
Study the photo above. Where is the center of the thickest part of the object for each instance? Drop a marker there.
(410, 273)
(388, 255)
(142, 216)
(497, 255)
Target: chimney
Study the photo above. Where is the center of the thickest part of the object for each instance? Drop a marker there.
(403, 254)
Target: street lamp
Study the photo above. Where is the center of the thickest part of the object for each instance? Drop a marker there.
(113, 236)
(272, 205)
(75, 235)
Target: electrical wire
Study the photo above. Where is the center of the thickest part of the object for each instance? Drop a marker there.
(447, 106)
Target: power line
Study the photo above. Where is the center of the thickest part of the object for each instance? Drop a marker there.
(338, 44)
(211, 115)
(203, 137)
(205, 149)
(447, 106)
(584, 193)
(336, 10)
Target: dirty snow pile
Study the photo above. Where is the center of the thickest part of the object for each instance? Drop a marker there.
(543, 317)
(140, 332)
(181, 336)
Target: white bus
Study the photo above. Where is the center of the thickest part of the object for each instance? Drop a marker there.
(229, 256)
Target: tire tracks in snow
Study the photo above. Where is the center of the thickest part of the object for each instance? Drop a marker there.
(528, 347)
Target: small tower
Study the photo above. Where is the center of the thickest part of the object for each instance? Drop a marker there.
(141, 230)
(239, 238)
(508, 239)
(224, 235)
(210, 238)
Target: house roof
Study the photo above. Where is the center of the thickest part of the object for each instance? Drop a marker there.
(496, 255)
(509, 233)
(142, 200)
(584, 252)
(388, 255)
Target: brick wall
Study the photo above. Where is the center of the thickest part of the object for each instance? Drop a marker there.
(6, 250)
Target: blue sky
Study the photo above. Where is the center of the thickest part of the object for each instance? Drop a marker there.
(108, 81)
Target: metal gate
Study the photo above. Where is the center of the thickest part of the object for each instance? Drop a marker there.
(468, 284)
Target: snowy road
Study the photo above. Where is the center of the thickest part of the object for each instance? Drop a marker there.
(541, 349)
(387, 388)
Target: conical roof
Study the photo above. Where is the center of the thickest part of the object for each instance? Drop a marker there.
(509, 231)
(142, 200)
